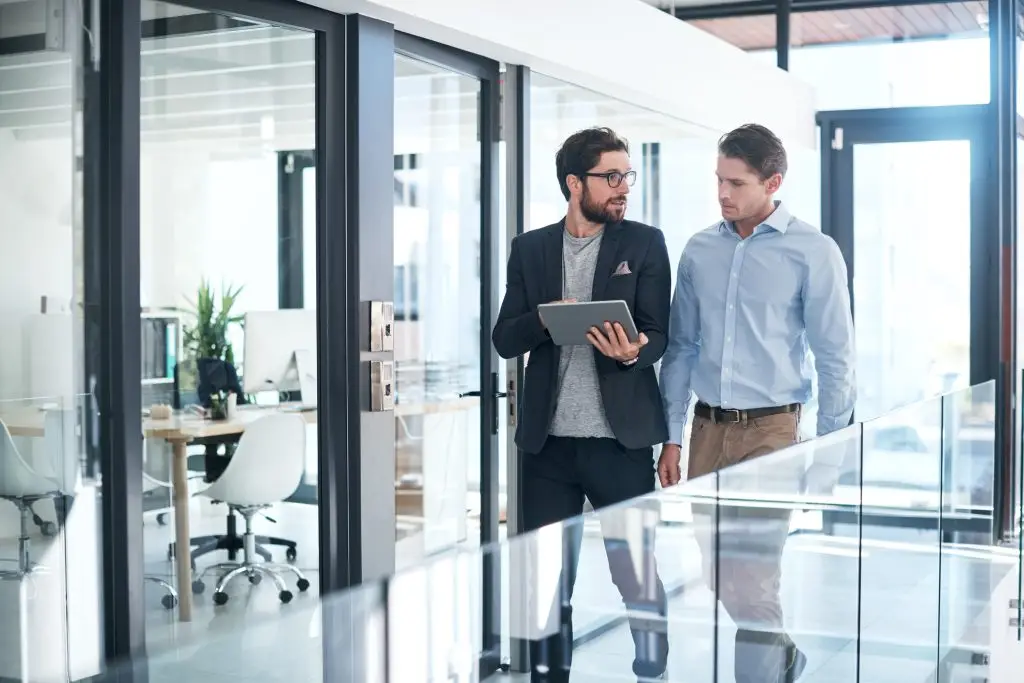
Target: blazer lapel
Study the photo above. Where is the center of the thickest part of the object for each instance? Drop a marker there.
(606, 260)
(553, 262)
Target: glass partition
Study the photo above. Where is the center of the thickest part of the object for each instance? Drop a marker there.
(839, 559)
(786, 579)
(49, 496)
(229, 343)
(437, 280)
(902, 469)
(976, 581)
(44, 309)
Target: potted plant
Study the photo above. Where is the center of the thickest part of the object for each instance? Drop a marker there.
(207, 336)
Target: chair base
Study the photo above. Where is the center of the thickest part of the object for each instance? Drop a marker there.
(25, 566)
(234, 543)
(170, 596)
(249, 567)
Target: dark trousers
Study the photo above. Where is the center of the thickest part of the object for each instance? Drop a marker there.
(555, 482)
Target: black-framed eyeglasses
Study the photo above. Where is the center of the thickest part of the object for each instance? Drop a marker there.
(614, 178)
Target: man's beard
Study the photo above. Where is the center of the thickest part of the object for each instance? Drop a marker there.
(609, 213)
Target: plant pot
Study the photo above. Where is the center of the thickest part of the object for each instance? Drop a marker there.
(218, 408)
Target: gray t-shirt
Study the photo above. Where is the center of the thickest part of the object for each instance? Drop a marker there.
(579, 411)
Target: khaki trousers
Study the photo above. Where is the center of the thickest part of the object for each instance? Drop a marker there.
(741, 545)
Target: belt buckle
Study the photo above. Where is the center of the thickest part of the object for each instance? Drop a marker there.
(729, 416)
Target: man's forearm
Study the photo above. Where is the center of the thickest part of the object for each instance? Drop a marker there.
(835, 405)
(675, 394)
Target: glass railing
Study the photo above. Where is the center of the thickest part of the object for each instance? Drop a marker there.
(863, 556)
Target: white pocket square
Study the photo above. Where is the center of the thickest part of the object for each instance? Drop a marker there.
(623, 269)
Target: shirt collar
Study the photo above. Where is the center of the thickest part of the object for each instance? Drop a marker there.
(778, 220)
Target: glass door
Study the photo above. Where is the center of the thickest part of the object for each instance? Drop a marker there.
(912, 289)
(446, 381)
(905, 196)
(907, 239)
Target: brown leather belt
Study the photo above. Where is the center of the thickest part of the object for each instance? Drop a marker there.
(733, 416)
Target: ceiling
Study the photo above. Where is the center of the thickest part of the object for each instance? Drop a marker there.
(854, 25)
(253, 87)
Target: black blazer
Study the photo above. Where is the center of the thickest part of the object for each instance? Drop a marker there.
(631, 398)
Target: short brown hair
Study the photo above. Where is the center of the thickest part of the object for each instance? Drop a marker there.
(582, 151)
(760, 148)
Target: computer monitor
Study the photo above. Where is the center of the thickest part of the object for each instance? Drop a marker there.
(280, 352)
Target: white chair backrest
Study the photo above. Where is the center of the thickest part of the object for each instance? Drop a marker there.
(267, 465)
(17, 477)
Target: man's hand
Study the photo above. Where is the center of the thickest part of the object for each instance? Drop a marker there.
(668, 465)
(819, 480)
(613, 342)
(559, 301)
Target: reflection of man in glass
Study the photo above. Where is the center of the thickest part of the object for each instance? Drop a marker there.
(590, 415)
(753, 292)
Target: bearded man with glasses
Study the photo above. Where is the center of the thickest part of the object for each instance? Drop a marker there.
(589, 416)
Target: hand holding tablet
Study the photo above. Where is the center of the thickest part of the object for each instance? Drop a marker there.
(606, 325)
(614, 343)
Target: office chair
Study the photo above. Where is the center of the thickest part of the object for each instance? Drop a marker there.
(25, 482)
(265, 469)
(194, 382)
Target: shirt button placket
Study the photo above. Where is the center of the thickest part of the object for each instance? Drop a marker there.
(731, 295)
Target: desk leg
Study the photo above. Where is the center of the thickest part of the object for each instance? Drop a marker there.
(182, 533)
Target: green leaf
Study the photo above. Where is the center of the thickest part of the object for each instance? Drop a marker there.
(207, 337)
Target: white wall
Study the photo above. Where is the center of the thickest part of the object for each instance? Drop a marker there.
(623, 48)
(36, 245)
(200, 216)
(204, 215)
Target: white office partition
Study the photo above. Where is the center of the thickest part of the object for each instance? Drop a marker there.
(625, 49)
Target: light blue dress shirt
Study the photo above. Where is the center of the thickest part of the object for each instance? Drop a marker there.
(745, 313)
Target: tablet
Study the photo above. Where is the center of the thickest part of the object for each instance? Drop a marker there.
(568, 323)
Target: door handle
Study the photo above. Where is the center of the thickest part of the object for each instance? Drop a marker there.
(497, 394)
(494, 406)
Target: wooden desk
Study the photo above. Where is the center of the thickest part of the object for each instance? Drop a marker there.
(178, 431)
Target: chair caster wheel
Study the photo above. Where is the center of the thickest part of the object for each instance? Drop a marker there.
(198, 587)
(285, 596)
(169, 601)
(291, 554)
(303, 585)
(255, 579)
(48, 529)
(220, 598)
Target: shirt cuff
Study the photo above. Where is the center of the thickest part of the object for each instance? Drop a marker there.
(675, 432)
